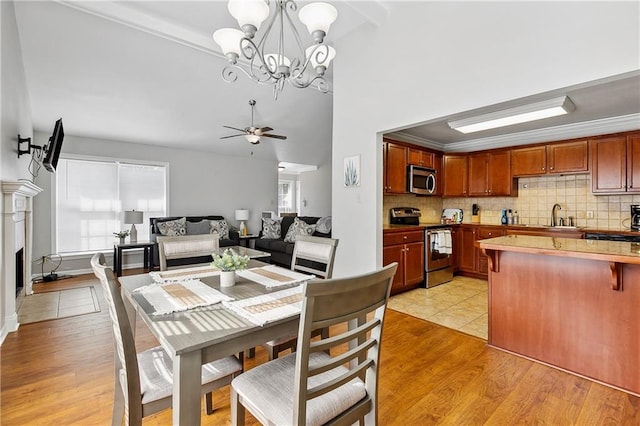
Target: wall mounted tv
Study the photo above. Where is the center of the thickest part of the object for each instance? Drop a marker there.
(53, 148)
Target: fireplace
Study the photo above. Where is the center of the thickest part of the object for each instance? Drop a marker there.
(19, 271)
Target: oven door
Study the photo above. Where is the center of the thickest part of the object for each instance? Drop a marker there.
(421, 181)
(436, 254)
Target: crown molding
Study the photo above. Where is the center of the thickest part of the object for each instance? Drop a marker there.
(405, 137)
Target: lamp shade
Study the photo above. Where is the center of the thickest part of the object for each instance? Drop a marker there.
(318, 16)
(132, 217)
(229, 40)
(320, 55)
(248, 12)
(242, 214)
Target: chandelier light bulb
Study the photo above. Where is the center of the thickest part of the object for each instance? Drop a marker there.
(250, 14)
(318, 17)
(277, 63)
(320, 56)
(229, 41)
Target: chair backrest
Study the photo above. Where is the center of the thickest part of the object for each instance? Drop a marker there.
(186, 246)
(126, 357)
(314, 255)
(337, 301)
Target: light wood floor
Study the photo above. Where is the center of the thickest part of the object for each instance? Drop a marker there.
(59, 372)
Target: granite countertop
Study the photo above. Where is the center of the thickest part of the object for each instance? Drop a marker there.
(612, 251)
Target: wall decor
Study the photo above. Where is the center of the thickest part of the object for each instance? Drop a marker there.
(352, 171)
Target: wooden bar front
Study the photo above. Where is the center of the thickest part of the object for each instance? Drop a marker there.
(564, 311)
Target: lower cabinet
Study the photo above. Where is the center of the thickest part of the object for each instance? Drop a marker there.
(472, 262)
(407, 249)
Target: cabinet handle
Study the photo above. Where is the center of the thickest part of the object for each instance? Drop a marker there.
(489, 191)
(404, 236)
(551, 168)
(407, 249)
(543, 169)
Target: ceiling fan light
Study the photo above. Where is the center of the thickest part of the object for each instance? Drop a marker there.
(254, 139)
(249, 13)
(229, 41)
(318, 17)
(320, 55)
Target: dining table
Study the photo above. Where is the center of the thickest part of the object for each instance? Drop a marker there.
(197, 336)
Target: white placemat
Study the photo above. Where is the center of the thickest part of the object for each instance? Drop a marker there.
(179, 296)
(184, 273)
(268, 307)
(274, 276)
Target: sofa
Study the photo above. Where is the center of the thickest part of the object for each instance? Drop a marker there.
(194, 226)
(281, 251)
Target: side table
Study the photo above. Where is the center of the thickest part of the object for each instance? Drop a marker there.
(244, 239)
(119, 248)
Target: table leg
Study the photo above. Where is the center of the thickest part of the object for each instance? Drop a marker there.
(115, 260)
(186, 388)
(119, 260)
(146, 259)
(151, 258)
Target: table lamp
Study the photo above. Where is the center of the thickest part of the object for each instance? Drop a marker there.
(132, 218)
(242, 215)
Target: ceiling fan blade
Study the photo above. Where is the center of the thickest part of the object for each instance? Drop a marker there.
(266, 135)
(235, 128)
(232, 136)
(263, 130)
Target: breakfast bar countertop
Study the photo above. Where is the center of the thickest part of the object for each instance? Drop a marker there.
(611, 251)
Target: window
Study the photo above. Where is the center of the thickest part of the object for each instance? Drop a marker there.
(286, 196)
(92, 194)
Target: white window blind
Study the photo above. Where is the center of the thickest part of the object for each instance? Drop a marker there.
(286, 196)
(91, 196)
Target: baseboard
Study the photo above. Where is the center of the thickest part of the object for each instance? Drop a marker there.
(37, 278)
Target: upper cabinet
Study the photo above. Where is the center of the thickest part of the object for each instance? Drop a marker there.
(615, 164)
(394, 170)
(419, 157)
(490, 175)
(455, 175)
(556, 158)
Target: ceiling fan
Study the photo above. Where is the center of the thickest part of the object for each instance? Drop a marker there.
(253, 134)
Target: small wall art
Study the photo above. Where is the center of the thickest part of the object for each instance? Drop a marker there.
(352, 171)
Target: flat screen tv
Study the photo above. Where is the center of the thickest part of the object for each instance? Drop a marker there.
(53, 148)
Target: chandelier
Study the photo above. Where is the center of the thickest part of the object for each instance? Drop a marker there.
(268, 61)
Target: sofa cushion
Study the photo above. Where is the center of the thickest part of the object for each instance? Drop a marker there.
(173, 228)
(198, 228)
(324, 225)
(299, 227)
(220, 227)
(270, 228)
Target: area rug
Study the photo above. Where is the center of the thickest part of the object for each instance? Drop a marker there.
(58, 304)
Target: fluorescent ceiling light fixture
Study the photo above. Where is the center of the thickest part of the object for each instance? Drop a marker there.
(516, 115)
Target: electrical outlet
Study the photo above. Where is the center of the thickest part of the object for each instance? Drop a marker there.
(589, 214)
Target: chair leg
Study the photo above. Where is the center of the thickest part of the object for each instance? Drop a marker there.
(208, 400)
(237, 409)
(273, 352)
(251, 353)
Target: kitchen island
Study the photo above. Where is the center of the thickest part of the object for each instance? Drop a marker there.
(569, 303)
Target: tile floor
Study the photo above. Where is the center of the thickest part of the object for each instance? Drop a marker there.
(460, 304)
(58, 304)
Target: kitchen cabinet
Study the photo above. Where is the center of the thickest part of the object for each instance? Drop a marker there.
(555, 158)
(490, 174)
(615, 164)
(437, 166)
(419, 157)
(455, 175)
(483, 233)
(455, 250)
(407, 249)
(466, 250)
(394, 170)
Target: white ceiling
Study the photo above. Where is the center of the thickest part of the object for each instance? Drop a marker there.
(148, 72)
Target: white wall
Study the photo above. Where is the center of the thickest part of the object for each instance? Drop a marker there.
(200, 183)
(432, 59)
(15, 112)
(315, 189)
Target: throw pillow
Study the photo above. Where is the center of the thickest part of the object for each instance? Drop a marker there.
(324, 225)
(299, 227)
(270, 228)
(220, 227)
(198, 228)
(173, 228)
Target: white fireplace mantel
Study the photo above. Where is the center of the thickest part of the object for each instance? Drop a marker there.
(18, 230)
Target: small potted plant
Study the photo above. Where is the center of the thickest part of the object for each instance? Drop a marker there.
(228, 263)
(121, 235)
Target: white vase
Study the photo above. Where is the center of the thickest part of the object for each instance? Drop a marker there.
(227, 278)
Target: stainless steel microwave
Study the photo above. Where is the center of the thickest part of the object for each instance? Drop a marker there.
(420, 180)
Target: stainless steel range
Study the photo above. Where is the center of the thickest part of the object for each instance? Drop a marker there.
(437, 245)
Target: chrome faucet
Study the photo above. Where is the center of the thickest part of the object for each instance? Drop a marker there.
(553, 213)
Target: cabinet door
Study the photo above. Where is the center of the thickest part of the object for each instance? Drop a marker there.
(569, 157)
(500, 180)
(396, 169)
(530, 161)
(414, 263)
(467, 255)
(455, 249)
(478, 177)
(395, 254)
(608, 165)
(437, 166)
(483, 233)
(633, 163)
(418, 157)
(455, 176)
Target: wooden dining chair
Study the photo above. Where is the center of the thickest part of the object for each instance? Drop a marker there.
(313, 255)
(185, 247)
(143, 381)
(311, 386)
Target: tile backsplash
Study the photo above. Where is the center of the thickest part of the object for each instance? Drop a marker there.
(536, 197)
